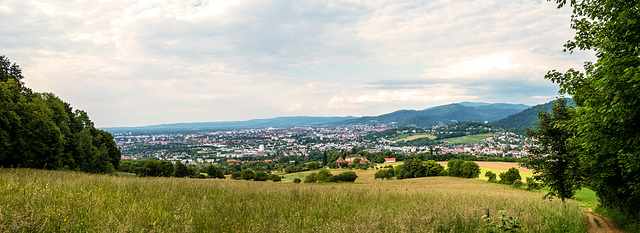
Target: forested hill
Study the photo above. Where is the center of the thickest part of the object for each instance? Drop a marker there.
(39, 130)
(444, 115)
(526, 118)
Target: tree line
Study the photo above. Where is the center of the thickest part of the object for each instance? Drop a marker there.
(39, 130)
(596, 144)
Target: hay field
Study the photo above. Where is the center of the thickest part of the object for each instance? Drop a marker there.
(57, 201)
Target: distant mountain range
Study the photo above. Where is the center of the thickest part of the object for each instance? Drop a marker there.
(510, 116)
(229, 125)
(444, 114)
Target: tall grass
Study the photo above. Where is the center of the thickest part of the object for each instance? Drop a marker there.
(56, 201)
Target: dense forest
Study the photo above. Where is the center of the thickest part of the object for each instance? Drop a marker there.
(39, 130)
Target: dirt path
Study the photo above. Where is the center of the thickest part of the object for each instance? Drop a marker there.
(599, 224)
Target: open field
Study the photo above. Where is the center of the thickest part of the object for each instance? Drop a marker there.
(37, 201)
(471, 139)
(412, 136)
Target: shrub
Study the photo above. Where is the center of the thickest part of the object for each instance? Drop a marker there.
(261, 176)
(382, 174)
(311, 178)
(347, 176)
(297, 180)
(247, 174)
(324, 175)
(236, 175)
(275, 178)
(491, 176)
(532, 184)
(511, 176)
(469, 169)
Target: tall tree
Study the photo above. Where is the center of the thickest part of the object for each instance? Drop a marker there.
(553, 161)
(607, 98)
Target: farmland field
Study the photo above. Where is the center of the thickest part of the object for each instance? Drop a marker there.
(45, 201)
(471, 139)
(412, 136)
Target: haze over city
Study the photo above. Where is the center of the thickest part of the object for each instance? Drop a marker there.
(151, 62)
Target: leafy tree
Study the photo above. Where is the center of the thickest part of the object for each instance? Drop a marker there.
(606, 95)
(325, 158)
(511, 176)
(490, 175)
(261, 176)
(312, 165)
(324, 175)
(236, 175)
(382, 174)
(297, 180)
(453, 167)
(357, 161)
(348, 176)
(432, 168)
(214, 171)
(311, 178)
(469, 169)
(247, 174)
(180, 170)
(275, 178)
(553, 161)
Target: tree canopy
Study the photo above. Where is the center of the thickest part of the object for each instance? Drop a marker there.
(39, 130)
(607, 99)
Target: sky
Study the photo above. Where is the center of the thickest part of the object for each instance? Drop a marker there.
(136, 63)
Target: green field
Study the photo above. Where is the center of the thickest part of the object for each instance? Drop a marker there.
(57, 201)
(471, 139)
(412, 136)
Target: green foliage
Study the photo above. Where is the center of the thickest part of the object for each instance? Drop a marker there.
(247, 174)
(180, 170)
(510, 177)
(324, 175)
(454, 167)
(236, 175)
(297, 180)
(214, 171)
(470, 169)
(553, 160)
(383, 173)
(275, 178)
(532, 184)
(505, 223)
(491, 176)
(312, 165)
(261, 176)
(606, 117)
(348, 176)
(39, 130)
(311, 178)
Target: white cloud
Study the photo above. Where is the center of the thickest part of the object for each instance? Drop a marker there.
(147, 62)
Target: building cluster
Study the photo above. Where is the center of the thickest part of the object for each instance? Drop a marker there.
(299, 141)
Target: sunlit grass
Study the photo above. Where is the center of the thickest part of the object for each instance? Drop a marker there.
(471, 139)
(46, 201)
(412, 136)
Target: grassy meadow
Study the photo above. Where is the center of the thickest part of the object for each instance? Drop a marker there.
(471, 139)
(59, 201)
(412, 136)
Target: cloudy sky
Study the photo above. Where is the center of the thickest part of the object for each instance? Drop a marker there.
(133, 63)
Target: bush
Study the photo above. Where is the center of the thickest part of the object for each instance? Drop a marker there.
(261, 176)
(511, 176)
(469, 169)
(236, 175)
(324, 175)
(347, 176)
(247, 174)
(491, 176)
(382, 174)
(297, 180)
(311, 178)
(532, 184)
(275, 178)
